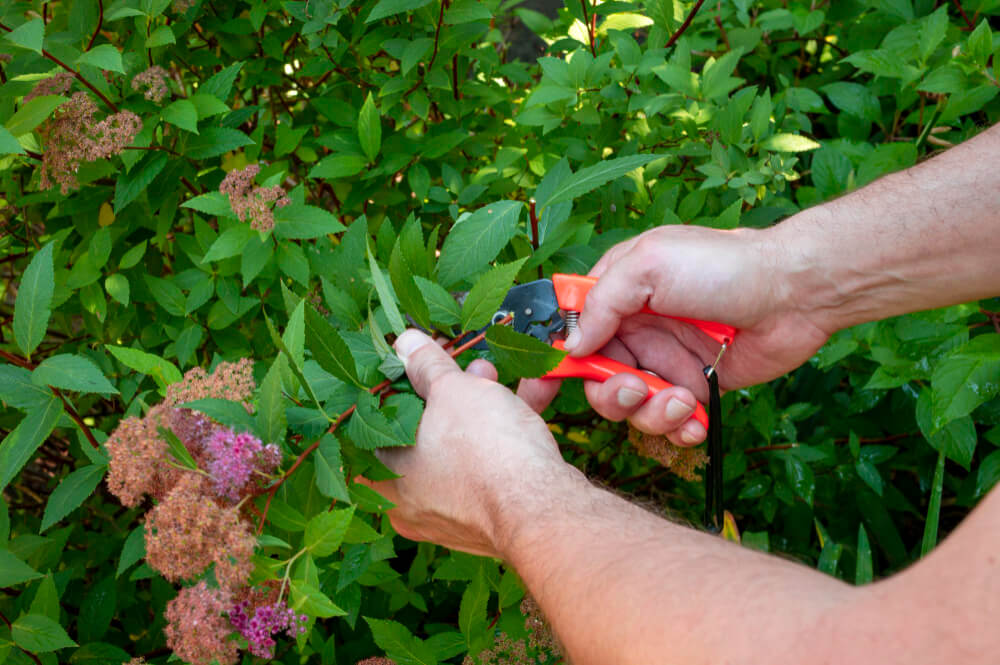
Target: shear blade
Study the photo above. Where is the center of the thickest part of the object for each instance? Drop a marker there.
(535, 310)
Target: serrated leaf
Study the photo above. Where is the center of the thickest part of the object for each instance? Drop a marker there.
(133, 183)
(789, 143)
(299, 221)
(330, 479)
(105, 56)
(221, 83)
(386, 8)
(161, 36)
(223, 411)
(476, 240)
(311, 601)
(325, 532)
(71, 491)
(34, 299)
(33, 113)
(230, 242)
(472, 609)
(487, 294)
(370, 128)
(521, 355)
(399, 643)
(133, 549)
(29, 35)
(71, 372)
(956, 439)
(8, 144)
(14, 571)
(215, 204)
(21, 443)
(214, 141)
(337, 166)
(39, 634)
(183, 114)
(271, 422)
(329, 348)
(370, 429)
(592, 177)
(168, 295)
(966, 378)
(401, 274)
(386, 295)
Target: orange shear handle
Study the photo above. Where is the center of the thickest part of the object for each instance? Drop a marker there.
(600, 368)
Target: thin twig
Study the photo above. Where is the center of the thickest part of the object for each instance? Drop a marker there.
(684, 26)
(76, 418)
(961, 10)
(434, 54)
(590, 30)
(100, 22)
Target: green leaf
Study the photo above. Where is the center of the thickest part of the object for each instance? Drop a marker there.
(399, 643)
(29, 35)
(325, 532)
(230, 242)
(162, 36)
(17, 390)
(271, 422)
(8, 144)
(309, 600)
(592, 177)
(329, 348)
(444, 310)
(392, 7)
(208, 105)
(105, 56)
(133, 183)
(370, 429)
(168, 295)
(133, 256)
(863, 572)
(223, 411)
(956, 440)
(476, 240)
(520, 354)
(183, 114)
(71, 491)
(33, 113)
(869, 473)
(333, 167)
(800, 477)
(933, 508)
(966, 378)
(214, 141)
(854, 98)
(97, 610)
(163, 371)
(487, 294)
(472, 610)
(221, 83)
(386, 296)
(330, 469)
(39, 634)
(70, 372)
(299, 221)
(13, 570)
(980, 45)
(406, 288)
(881, 62)
(133, 550)
(370, 128)
(20, 445)
(46, 600)
(215, 204)
(34, 299)
(789, 143)
(117, 287)
(178, 450)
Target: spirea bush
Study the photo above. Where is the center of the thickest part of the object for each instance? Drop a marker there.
(215, 216)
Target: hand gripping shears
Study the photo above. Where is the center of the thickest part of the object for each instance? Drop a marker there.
(535, 307)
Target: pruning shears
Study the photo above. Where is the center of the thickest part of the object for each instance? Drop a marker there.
(547, 306)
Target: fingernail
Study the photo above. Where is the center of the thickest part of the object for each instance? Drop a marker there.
(573, 340)
(677, 409)
(693, 434)
(628, 397)
(410, 341)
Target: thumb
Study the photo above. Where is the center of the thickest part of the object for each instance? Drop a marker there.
(425, 361)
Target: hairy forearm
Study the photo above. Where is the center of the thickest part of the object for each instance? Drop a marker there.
(918, 239)
(622, 586)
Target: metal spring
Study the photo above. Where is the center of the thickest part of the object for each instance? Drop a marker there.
(572, 318)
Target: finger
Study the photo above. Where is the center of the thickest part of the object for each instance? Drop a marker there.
(482, 368)
(612, 255)
(618, 397)
(538, 393)
(425, 361)
(623, 290)
(669, 412)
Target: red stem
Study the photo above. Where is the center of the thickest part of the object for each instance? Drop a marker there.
(687, 22)
(961, 10)
(100, 22)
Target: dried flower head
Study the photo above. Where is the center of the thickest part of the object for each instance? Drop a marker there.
(259, 624)
(154, 80)
(181, 6)
(232, 381)
(139, 463)
(138, 660)
(250, 202)
(683, 461)
(540, 635)
(196, 629)
(187, 532)
(376, 660)
(71, 136)
(233, 458)
(57, 84)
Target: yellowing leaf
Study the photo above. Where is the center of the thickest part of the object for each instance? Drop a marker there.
(107, 215)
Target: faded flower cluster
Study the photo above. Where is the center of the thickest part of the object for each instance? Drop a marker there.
(249, 202)
(57, 84)
(540, 647)
(153, 82)
(684, 462)
(72, 136)
(196, 523)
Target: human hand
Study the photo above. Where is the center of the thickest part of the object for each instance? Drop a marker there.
(733, 277)
(481, 457)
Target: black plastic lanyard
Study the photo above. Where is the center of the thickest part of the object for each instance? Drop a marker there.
(714, 516)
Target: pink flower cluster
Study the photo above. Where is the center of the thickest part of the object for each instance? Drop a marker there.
(232, 381)
(233, 458)
(154, 80)
(196, 629)
(71, 136)
(266, 621)
(57, 84)
(251, 202)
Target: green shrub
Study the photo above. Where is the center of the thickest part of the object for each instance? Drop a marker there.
(193, 183)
